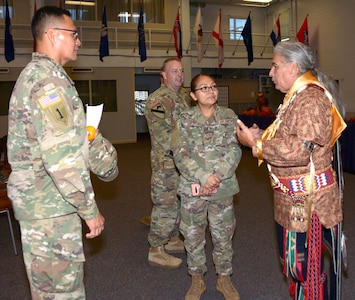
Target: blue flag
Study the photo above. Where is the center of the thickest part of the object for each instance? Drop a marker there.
(104, 37)
(248, 41)
(9, 43)
(141, 36)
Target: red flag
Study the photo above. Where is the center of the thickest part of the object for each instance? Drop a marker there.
(302, 34)
(275, 34)
(217, 35)
(34, 41)
(177, 36)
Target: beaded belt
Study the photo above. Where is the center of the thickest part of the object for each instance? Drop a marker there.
(300, 184)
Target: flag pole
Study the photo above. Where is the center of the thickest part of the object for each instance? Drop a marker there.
(236, 47)
(167, 51)
(134, 49)
(262, 52)
(188, 47)
(208, 44)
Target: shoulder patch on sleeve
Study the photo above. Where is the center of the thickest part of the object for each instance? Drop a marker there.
(49, 99)
(54, 106)
(157, 109)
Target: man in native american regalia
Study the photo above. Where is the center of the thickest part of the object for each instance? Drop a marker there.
(298, 149)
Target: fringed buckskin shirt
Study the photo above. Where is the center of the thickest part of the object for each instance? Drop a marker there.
(306, 115)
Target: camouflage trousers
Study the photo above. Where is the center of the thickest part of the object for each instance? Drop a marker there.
(165, 217)
(54, 257)
(196, 213)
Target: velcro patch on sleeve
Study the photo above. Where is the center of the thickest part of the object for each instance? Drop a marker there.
(50, 99)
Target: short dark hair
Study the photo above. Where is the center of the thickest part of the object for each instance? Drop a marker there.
(44, 16)
(193, 84)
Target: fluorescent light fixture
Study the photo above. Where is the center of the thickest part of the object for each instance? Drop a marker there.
(84, 3)
(259, 1)
(127, 15)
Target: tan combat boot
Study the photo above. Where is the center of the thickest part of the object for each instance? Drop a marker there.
(197, 288)
(225, 286)
(175, 245)
(159, 258)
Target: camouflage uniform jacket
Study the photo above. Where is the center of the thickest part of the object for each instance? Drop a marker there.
(307, 118)
(47, 145)
(162, 109)
(204, 146)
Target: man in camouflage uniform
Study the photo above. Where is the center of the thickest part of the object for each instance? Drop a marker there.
(207, 153)
(50, 157)
(162, 108)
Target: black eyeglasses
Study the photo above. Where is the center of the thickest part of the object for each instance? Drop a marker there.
(206, 88)
(74, 32)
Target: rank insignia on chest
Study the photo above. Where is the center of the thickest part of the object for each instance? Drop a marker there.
(158, 110)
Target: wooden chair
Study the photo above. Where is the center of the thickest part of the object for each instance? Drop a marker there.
(5, 203)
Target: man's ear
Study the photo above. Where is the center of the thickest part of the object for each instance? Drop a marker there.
(294, 69)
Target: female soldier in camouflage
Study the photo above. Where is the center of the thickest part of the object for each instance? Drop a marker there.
(207, 153)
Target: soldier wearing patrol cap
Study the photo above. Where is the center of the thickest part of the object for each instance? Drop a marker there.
(50, 156)
(162, 109)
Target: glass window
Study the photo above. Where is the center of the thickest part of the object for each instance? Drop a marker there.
(235, 28)
(104, 91)
(124, 11)
(3, 9)
(140, 98)
(83, 88)
(127, 11)
(94, 92)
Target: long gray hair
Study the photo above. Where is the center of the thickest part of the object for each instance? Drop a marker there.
(303, 57)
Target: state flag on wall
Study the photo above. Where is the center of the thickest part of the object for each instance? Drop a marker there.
(104, 51)
(275, 34)
(9, 42)
(302, 34)
(198, 34)
(177, 35)
(248, 40)
(141, 36)
(217, 35)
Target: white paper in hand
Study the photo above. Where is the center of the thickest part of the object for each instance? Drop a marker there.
(93, 115)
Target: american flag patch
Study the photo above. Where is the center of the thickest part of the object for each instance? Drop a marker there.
(50, 99)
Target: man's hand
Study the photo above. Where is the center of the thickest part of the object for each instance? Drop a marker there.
(245, 135)
(96, 226)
